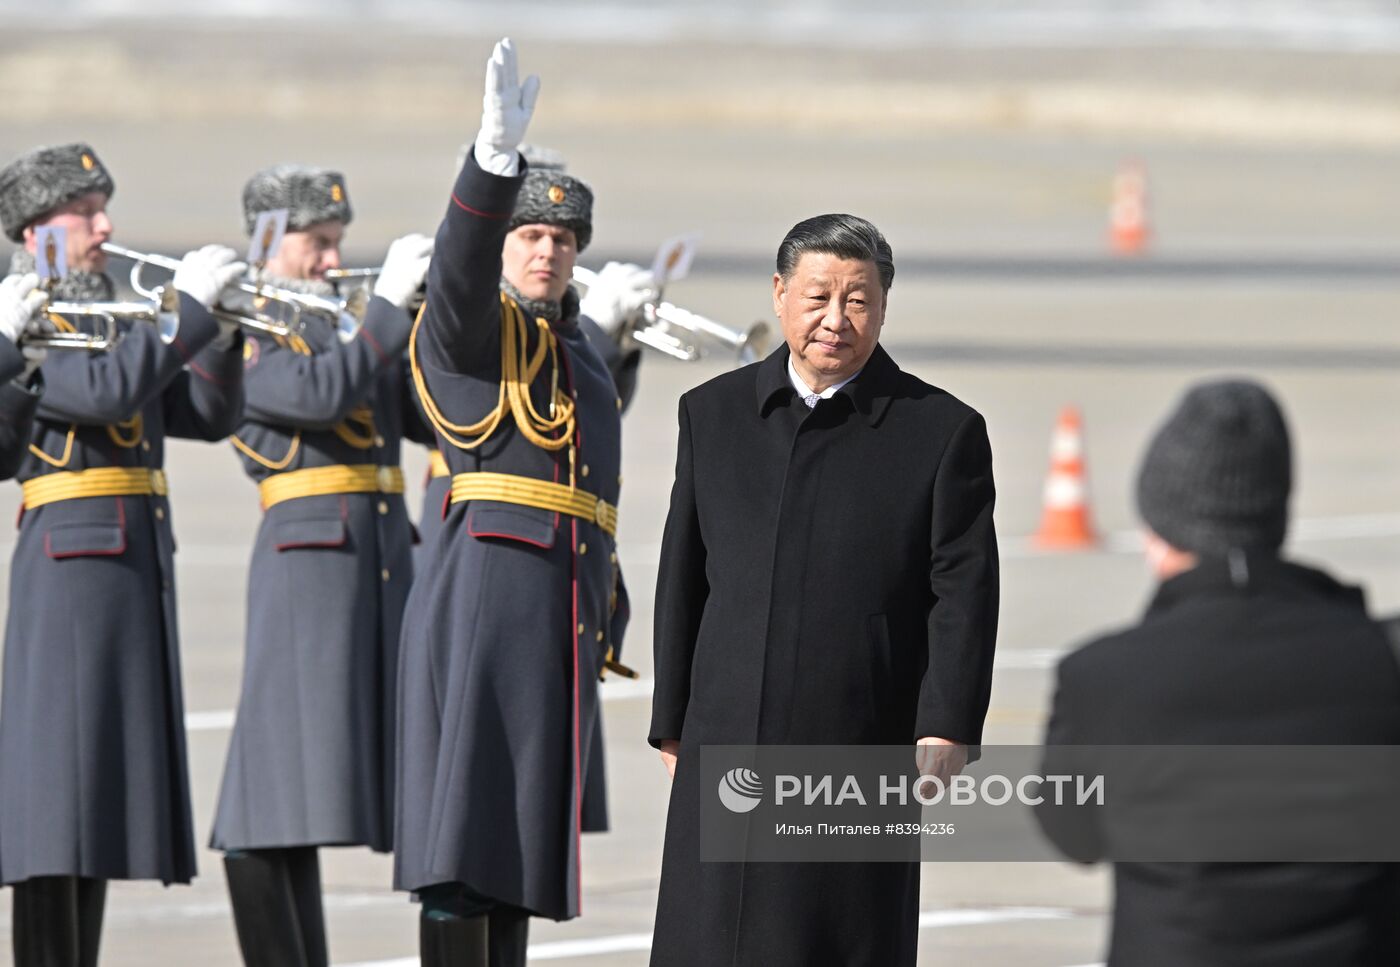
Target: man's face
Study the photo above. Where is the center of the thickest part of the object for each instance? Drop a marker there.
(831, 310)
(85, 219)
(539, 260)
(309, 253)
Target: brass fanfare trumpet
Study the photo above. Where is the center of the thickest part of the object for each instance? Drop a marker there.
(259, 308)
(683, 334)
(163, 309)
(660, 327)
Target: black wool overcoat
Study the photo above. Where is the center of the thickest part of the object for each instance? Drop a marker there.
(1265, 653)
(827, 576)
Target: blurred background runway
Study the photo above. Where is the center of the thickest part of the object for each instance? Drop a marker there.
(982, 137)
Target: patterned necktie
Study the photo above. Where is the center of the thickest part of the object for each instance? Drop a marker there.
(811, 400)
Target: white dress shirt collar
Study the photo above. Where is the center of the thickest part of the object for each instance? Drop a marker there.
(804, 392)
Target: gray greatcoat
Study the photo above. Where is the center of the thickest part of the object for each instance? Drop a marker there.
(17, 405)
(511, 617)
(622, 366)
(310, 762)
(93, 779)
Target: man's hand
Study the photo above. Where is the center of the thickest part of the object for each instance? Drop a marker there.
(670, 749)
(205, 273)
(405, 268)
(617, 295)
(506, 108)
(943, 758)
(20, 298)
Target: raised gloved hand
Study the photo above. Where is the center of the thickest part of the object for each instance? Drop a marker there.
(405, 268)
(20, 298)
(617, 295)
(505, 111)
(206, 272)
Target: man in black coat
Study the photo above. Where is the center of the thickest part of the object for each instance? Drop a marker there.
(1238, 647)
(828, 576)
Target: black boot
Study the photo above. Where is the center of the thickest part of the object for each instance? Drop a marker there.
(264, 909)
(509, 936)
(446, 940)
(304, 871)
(44, 922)
(92, 904)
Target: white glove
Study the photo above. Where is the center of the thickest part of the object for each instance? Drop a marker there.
(34, 357)
(205, 273)
(405, 268)
(505, 112)
(20, 298)
(617, 295)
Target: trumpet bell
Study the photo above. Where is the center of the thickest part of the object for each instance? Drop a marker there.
(754, 345)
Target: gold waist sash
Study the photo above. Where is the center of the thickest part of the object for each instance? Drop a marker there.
(322, 481)
(97, 482)
(529, 492)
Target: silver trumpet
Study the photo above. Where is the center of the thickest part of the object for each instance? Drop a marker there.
(683, 334)
(661, 325)
(259, 308)
(359, 283)
(163, 309)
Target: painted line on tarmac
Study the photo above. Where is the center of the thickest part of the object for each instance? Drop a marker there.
(614, 690)
(1304, 530)
(620, 690)
(639, 942)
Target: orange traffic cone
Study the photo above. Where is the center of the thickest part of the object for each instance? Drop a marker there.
(1127, 216)
(1065, 524)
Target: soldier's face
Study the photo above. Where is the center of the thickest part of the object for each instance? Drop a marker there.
(831, 310)
(309, 253)
(539, 260)
(87, 225)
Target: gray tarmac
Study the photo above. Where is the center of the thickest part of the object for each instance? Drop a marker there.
(1271, 257)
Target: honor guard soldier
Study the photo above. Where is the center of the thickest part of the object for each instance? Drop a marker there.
(511, 620)
(20, 382)
(311, 757)
(93, 780)
(606, 312)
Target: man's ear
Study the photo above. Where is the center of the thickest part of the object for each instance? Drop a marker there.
(28, 241)
(779, 294)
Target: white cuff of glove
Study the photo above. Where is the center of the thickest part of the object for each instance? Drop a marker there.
(493, 159)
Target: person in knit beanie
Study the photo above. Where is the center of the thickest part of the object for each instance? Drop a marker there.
(1217, 474)
(1239, 647)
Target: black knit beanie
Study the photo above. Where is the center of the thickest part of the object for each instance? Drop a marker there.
(1218, 472)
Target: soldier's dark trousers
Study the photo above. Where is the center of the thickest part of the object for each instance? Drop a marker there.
(276, 897)
(458, 928)
(57, 921)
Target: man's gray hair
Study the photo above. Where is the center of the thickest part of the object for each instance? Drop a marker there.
(844, 236)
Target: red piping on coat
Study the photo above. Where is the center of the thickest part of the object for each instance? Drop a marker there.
(475, 211)
(509, 537)
(121, 525)
(296, 545)
(574, 634)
